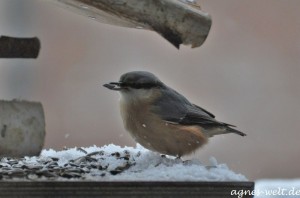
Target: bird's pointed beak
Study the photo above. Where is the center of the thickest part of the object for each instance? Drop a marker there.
(116, 86)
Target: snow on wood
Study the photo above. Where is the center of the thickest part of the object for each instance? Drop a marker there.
(178, 21)
(277, 188)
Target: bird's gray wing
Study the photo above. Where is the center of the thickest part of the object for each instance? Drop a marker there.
(194, 115)
(175, 108)
(210, 114)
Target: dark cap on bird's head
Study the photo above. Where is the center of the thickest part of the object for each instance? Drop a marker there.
(135, 80)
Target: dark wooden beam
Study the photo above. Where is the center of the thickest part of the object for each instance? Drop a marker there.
(12, 47)
(124, 189)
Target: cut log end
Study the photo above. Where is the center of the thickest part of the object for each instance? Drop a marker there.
(22, 128)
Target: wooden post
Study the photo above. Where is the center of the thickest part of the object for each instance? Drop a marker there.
(22, 128)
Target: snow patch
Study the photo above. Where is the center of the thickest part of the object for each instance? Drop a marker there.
(114, 163)
(277, 188)
(150, 166)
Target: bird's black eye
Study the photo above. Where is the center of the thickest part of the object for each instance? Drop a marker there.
(140, 85)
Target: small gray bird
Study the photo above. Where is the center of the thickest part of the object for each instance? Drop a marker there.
(161, 119)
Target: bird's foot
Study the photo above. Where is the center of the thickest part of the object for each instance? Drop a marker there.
(163, 156)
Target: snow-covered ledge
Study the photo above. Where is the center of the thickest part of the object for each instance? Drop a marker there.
(113, 163)
(113, 170)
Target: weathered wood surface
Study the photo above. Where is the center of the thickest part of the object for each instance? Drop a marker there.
(22, 128)
(123, 189)
(177, 21)
(12, 47)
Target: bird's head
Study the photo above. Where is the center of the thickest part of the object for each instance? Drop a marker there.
(136, 84)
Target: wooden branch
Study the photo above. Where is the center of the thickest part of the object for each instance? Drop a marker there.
(11, 47)
(177, 21)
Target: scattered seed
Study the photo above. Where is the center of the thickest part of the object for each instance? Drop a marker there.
(82, 150)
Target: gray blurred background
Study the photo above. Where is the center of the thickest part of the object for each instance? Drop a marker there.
(246, 73)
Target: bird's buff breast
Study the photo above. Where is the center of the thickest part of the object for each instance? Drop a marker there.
(157, 135)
